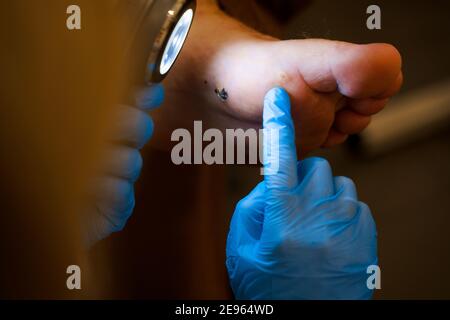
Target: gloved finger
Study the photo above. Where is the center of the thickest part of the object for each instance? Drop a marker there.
(251, 210)
(345, 187)
(363, 232)
(247, 221)
(123, 162)
(149, 98)
(343, 205)
(367, 225)
(133, 127)
(115, 200)
(316, 176)
(280, 156)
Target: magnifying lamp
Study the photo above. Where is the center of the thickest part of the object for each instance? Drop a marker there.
(159, 29)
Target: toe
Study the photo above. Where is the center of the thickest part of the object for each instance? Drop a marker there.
(334, 138)
(364, 71)
(393, 88)
(368, 107)
(350, 122)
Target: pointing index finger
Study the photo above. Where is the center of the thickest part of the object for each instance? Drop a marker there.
(279, 150)
(149, 97)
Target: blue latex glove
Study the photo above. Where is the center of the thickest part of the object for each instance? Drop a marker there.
(302, 233)
(113, 192)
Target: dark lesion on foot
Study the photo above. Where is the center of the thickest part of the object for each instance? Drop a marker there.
(222, 94)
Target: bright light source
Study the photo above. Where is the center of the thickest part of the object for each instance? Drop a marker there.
(176, 41)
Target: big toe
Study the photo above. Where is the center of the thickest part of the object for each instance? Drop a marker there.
(365, 71)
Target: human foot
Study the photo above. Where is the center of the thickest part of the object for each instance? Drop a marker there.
(335, 87)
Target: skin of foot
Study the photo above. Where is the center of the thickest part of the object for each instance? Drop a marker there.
(335, 87)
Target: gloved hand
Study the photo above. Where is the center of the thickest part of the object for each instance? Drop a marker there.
(113, 194)
(301, 233)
